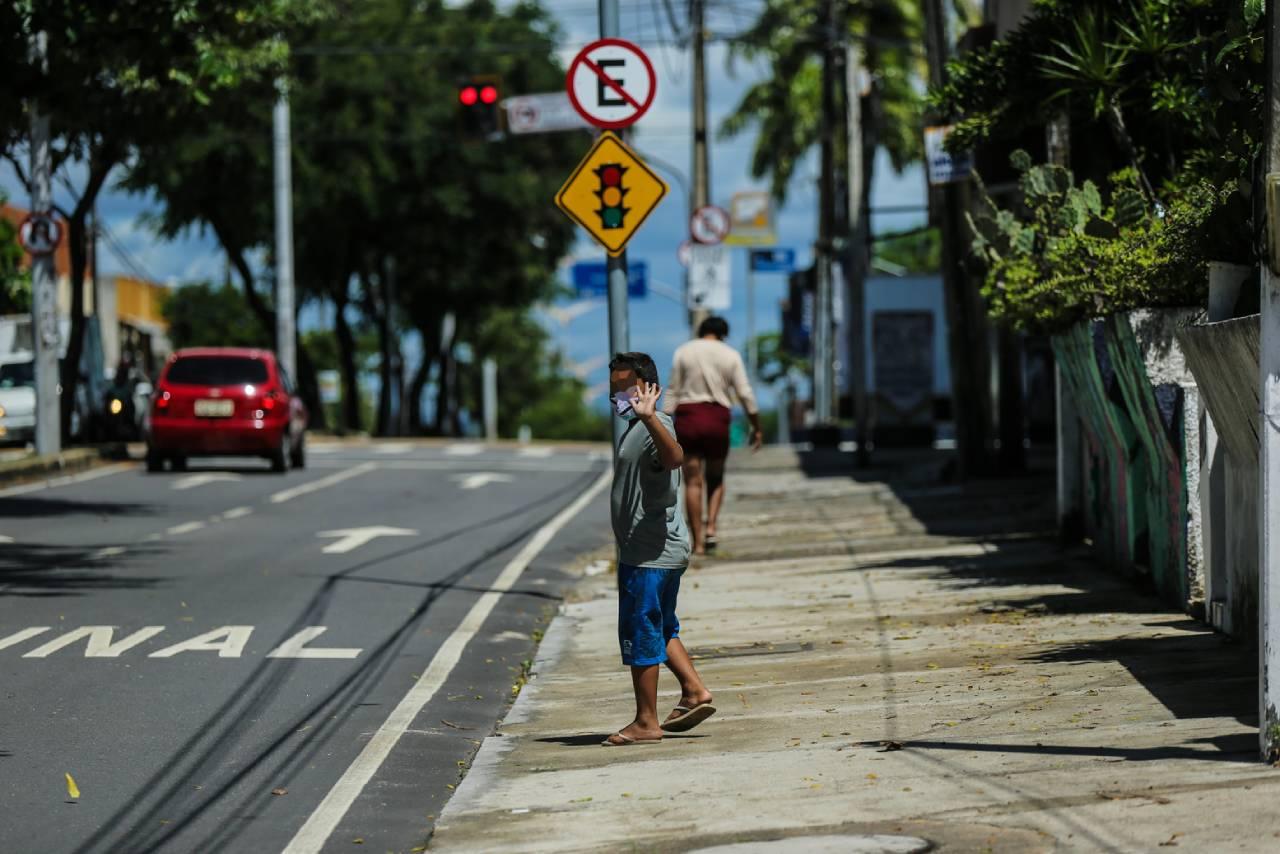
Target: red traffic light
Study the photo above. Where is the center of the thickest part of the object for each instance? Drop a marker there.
(489, 94)
(467, 95)
(610, 176)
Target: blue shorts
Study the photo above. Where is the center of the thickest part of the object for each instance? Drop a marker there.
(647, 613)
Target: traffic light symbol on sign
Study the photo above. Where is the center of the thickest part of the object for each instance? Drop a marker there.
(612, 194)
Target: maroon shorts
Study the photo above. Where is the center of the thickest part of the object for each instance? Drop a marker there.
(703, 429)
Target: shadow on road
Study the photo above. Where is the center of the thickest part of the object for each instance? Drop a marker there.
(49, 571)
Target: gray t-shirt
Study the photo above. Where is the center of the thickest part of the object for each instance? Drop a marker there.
(648, 503)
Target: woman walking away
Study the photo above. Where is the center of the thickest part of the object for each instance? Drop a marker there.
(706, 374)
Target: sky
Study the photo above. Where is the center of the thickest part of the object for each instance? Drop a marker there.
(663, 136)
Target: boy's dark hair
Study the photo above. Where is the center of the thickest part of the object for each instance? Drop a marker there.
(716, 326)
(641, 363)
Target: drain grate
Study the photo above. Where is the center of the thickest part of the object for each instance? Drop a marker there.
(757, 648)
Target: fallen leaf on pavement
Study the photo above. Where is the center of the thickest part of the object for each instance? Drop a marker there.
(452, 725)
(73, 791)
(279, 790)
(1172, 840)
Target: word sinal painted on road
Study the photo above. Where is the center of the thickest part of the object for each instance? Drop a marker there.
(226, 641)
(611, 193)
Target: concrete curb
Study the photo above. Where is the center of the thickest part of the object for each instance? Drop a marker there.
(67, 462)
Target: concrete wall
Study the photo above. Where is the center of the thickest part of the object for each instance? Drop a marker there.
(1224, 358)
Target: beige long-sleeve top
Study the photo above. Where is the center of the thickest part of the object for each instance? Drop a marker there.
(708, 371)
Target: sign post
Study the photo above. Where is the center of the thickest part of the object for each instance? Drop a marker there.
(762, 261)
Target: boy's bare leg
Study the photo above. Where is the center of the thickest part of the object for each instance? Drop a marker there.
(692, 690)
(693, 495)
(645, 682)
(714, 480)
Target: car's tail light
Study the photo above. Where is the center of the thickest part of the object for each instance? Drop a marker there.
(162, 401)
(271, 401)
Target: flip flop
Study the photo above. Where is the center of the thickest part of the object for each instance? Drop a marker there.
(690, 717)
(710, 543)
(627, 741)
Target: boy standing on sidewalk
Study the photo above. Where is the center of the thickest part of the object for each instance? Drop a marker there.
(647, 506)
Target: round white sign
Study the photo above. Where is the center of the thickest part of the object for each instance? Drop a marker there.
(611, 83)
(709, 225)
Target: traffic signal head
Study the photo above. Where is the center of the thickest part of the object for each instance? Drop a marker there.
(611, 194)
(478, 104)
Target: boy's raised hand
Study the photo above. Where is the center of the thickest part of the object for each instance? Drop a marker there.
(645, 405)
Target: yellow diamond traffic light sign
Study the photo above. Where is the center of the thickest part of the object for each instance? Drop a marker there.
(611, 193)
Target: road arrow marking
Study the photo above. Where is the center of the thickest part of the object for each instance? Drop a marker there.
(482, 478)
(205, 479)
(353, 538)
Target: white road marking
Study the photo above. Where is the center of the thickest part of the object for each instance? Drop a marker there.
(4, 539)
(18, 637)
(192, 481)
(92, 474)
(312, 836)
(227, 641)
(295, 647)
(236, 513)
(393, 448)
(99, 641)
(466, 450)
(108, 551)
(184, 528)
(536, 452)
(322, 483)
(350, 539)
(482, 478)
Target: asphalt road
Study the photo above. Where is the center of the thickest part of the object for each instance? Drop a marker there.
(271, 663)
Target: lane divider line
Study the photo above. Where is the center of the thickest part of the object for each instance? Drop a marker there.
(322, 483)
(317, 829)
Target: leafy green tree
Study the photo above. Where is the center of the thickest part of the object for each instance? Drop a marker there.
(123, 76)
(534, 389)
(398, 220)
(785, 107)
(15, 283)
(207, 315)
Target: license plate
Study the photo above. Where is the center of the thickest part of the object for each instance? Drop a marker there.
(215, 408)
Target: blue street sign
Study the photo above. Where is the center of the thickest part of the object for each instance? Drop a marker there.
(773, 260)
(591, 279)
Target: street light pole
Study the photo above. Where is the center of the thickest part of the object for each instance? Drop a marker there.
(701, 156)
(286, 348)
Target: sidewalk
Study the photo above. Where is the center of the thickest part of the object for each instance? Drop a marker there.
(911, 660)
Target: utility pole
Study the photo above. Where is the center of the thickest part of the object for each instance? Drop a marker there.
(701, 157)
(286, 347)
(964, 338)
(616, 265)
(858, 229)
(1269, 598)
(489, 374)
(826, 431)
(44, 288)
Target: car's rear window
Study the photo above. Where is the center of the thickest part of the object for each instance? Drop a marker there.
(217, 370)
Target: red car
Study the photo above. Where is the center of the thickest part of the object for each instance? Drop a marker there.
(225, 401)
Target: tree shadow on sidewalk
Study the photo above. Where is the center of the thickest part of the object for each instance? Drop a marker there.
(1242, 747)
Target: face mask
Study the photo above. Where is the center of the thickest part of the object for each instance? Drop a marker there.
(622, 403)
